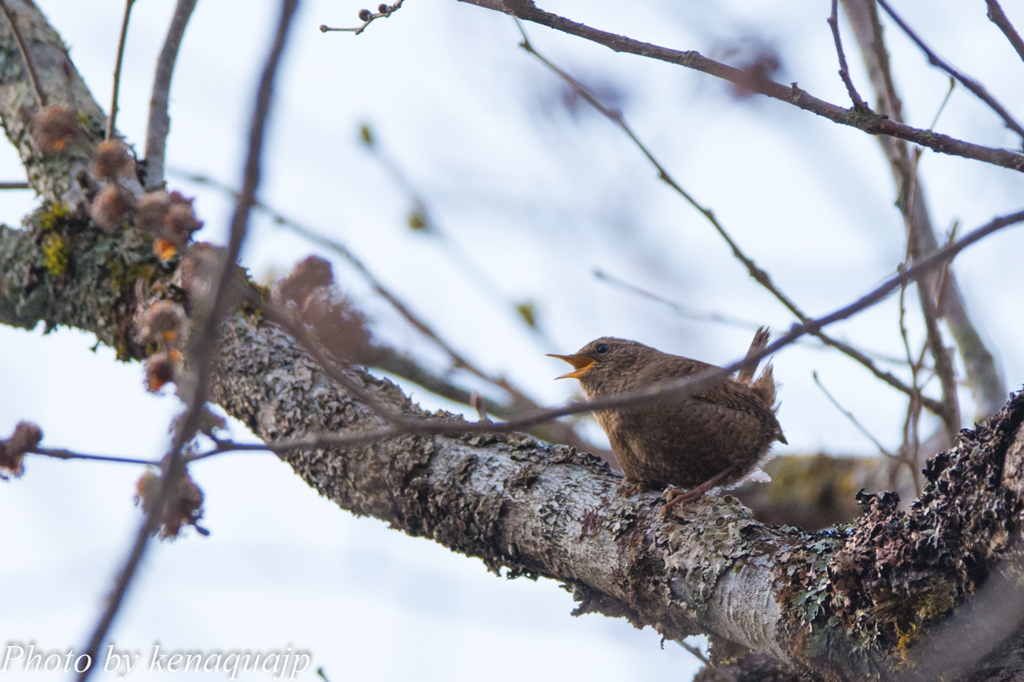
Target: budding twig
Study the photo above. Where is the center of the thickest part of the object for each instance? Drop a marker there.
(367, 17)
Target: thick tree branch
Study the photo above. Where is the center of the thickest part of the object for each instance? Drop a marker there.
(545, 510)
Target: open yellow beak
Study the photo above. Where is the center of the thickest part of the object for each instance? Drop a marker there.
(581, 362)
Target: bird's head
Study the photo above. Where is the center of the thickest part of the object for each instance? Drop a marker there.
(604, 365)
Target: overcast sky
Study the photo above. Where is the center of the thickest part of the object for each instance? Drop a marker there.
(529, 197)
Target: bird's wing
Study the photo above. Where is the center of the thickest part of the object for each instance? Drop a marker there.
(736, 396)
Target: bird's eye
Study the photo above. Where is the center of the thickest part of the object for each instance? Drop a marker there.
(602, 348)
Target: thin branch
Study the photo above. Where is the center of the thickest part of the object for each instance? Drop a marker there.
(367, 17)
(204, 340)
(844, 71)
(873, 123)
(404, 367)
(117, 69)
(679, 308)
(159, 121)
(457, 359)
(986, 382)
(938, 112)
(61, 453)
(26, 60)
(677, 387)
(999, 18)
(426, 225)
(968, 82)
(281, 318)
(849, 415)
(703, 316)
(759, 275)
(943, 361)
(911, 448)
(15, 185)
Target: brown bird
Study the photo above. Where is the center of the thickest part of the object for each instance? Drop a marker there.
(715, 437)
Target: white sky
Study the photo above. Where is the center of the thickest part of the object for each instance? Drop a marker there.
(537, 200)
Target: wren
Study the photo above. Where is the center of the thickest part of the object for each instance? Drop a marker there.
(715, 437)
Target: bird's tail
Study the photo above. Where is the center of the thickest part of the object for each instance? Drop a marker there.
(764, 387)
(760, 342)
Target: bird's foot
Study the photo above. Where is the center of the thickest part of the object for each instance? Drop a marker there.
(677, 497)
(629, 487)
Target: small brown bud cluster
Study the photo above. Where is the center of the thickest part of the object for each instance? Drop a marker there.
(161, 369)
(198, 268)
(26, 437)
(54, 128)
(112, 161)
(110, 206)
(111, 164)
(170, 217)
(309, 293)
(184, 506)
(165, 324)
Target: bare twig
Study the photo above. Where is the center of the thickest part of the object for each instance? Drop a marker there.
(15, 185)
(117, 69)
(999, 18)
(400, 365)
(844, 71)
(700, 315)
(696, 653)
(849, 415)
(26, 59)
(457, 359)
(873, 123)
(911, 448)
(677, 387)
(943, 362)
(159, 121)
(755, 272)
(425, 224)
(203, 342)
(679, 308)
(938, 112)
(61, 453)
(330, 366)
(367, 17)
(968, 82)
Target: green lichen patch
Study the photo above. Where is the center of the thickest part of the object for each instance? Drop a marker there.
(61, 270)
(51, 217)
(708, 539)
(56, 255)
